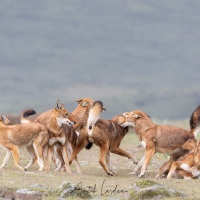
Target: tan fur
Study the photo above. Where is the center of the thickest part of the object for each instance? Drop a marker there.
(56, 132)
(107, 134)
(80, 115)
(156, 138)
(32, 136)
(5, 120)
(187, 147)
(194, 129)
(187, 166)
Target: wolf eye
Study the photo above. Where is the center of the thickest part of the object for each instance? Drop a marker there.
(66, 114)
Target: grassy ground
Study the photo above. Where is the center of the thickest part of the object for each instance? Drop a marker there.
(93, 175)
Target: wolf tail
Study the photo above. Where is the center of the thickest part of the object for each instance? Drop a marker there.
(25, 114)
(89, 145)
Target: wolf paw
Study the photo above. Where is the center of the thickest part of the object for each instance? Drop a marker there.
(157, 176)
(187, 177)
(161, 176)
(69, 171)
(141, 175)
(110, 173)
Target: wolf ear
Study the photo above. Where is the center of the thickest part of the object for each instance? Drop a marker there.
(147, 115)
(58, 105)
(78, 101)
(125, 114)
(85, 104)
(137, 116)
(3, 118)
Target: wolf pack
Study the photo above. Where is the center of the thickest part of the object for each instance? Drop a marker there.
(56, 137)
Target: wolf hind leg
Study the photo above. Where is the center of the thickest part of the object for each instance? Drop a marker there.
(6, 159)
(33, 157)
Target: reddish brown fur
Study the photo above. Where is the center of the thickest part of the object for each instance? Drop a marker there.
(195, 121)
(79, 115)
(191, 160)
(194, 129)
(157, 138)
(187, 147)
(56, 131)
(107, 134)
(81, 112)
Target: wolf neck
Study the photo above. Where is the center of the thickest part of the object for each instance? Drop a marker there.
(54, 125)
(80, 114)
(141, 127)
(123, 130)
(92, 119)
(2, 125)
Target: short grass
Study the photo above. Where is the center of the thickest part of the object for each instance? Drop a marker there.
(93, 176)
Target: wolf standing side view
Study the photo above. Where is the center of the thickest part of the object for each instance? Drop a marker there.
(156, 138)
(32, 136)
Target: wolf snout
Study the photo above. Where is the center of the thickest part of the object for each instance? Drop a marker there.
(71, 123)
(123, 125)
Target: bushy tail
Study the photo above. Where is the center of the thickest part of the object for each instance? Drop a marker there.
(25, 114)
(89, 145)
